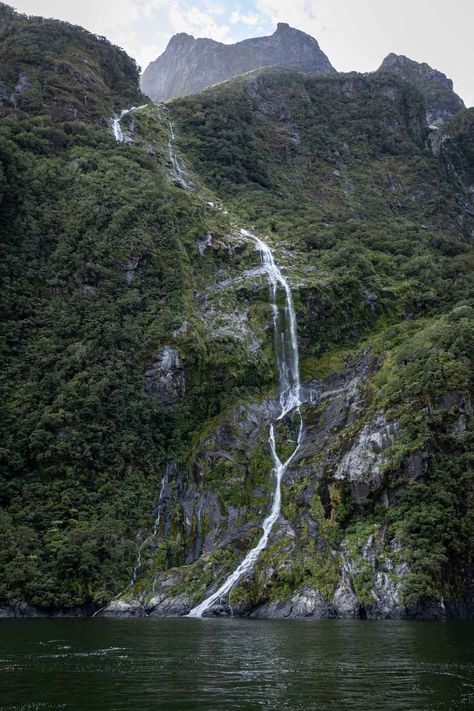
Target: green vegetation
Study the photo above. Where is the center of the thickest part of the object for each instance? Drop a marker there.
(53, 68)
(336, 171)
(458, 155)
(101, 269)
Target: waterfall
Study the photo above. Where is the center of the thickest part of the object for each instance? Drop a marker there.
(159, 510)
(161, 505)
(177, 169)
(286, 349)
(116, 128)
(178, 172)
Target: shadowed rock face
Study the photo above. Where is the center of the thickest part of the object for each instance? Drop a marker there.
(189, 65)
(442, 103)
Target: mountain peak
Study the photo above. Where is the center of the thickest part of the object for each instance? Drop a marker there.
(189, 65)
(442, 103)
(181, 39)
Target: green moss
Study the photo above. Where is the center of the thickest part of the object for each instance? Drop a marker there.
(378, 257)
(333, 363)
(70, 73)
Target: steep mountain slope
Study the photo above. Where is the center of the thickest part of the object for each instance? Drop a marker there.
(188, 65)
(442, 103)
(378, 250)
(96, 278)
(457, 149)
(138, 361)
(51, 67)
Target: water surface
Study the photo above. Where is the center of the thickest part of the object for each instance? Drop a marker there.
(191, 665)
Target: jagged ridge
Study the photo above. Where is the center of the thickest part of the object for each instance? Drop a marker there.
(189, 64)
(442, 103)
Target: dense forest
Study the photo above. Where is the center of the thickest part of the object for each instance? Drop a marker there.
(136, 349)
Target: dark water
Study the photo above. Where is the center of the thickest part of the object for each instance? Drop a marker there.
(235, 664)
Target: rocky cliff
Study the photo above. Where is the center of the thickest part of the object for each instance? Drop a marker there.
(138, 359)
(189, 65)
(442, 103)
(51, 67)
(361, 530)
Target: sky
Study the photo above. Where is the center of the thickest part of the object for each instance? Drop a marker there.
(355, 34)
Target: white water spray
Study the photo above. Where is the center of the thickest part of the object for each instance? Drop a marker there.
(116, 127)
(286, 347)
(178, 172)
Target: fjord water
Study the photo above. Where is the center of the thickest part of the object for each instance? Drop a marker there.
(226, 664)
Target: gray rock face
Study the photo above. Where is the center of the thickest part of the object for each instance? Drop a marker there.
(166, 377)
(442, 103)
(369, 570)
(22, 87)
(121, 608)
(363, 462)
(162, 606)
(346, 602)
(383, 601)
(189, 65)
(306, 602)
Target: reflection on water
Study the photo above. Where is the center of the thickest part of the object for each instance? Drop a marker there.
(191, 665)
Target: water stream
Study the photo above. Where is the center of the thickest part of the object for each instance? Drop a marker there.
(116, 127)
(286, 349)
(177, 170)
(160, 507)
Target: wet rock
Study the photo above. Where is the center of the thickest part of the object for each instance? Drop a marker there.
(305, 602)
(162, 606)
(371, 299)
(430, 611)
(415, 466)
(122, 608)
(24, 610)
(181, 330)
(22, 87)
(346, 603)
(464, 410)
(386, 594)
(363, 461)
(130, 267)
(166, 378)
(203, 242)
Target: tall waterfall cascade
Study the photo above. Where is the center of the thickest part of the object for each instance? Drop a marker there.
(177, 169)
(116, 127)
(286, 349)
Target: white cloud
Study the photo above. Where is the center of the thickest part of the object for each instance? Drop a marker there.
(251, 18)
(355, 34)
(150, 7)
(358, 35)
(214, 8)
(196, 22)
(95, 16)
